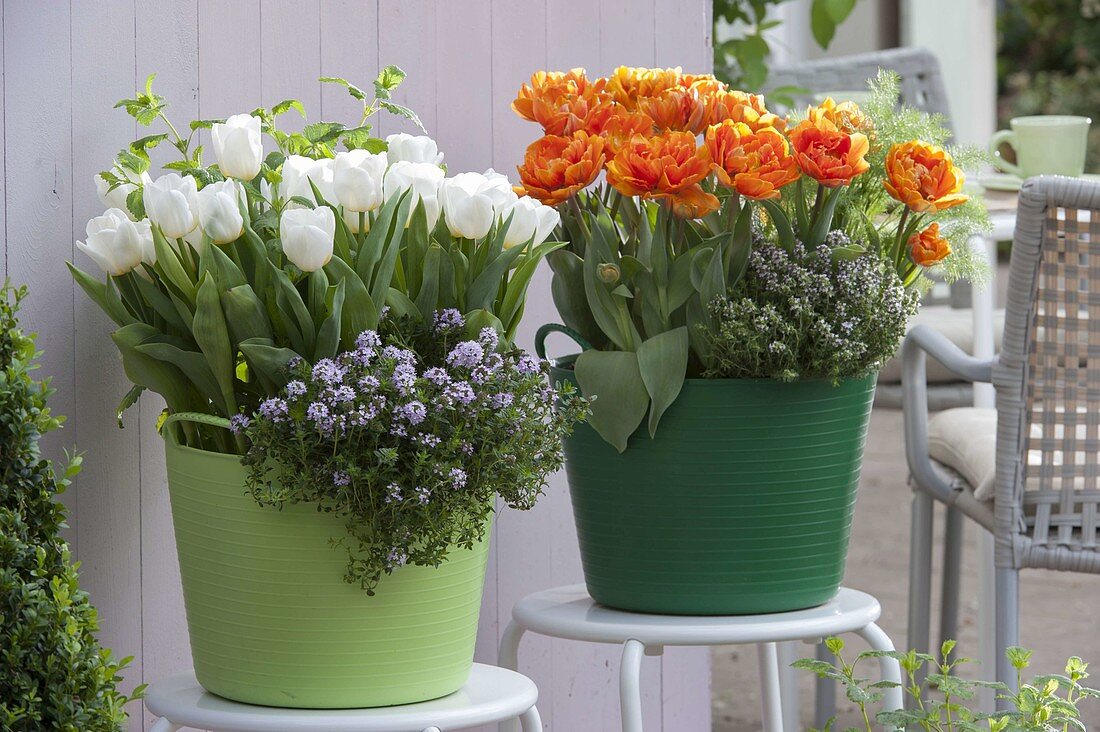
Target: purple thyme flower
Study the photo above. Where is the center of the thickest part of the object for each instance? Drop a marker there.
(393, 493)
(274, 409)
(319, 414)
(328, 371)
(341, 478)
(528, 364)
(423, 495)
(343, 393)
(500, 401)
(369, 383)
(467, 354)
(448, 319)
(437, 376)
(467, 448)
(488, 338)
(397, 558)
(460, 392)
(413, 412)
(458, 477)
(401, 355)
(295, 389)
(368, 339)
(404, 378)
(238, 423)
(428, 440)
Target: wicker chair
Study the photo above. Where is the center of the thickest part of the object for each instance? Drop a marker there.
(946, 308)
(1028, 471)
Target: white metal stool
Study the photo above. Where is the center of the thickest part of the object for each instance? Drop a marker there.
(491, 695)
(569, 612)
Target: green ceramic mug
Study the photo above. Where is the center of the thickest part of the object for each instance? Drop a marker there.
(1044, 145)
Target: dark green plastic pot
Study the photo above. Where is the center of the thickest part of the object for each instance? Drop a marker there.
(742, 504)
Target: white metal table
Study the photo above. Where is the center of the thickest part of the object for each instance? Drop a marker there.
(570, 613)
(491, 695)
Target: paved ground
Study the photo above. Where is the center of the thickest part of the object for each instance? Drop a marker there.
(1059, 610)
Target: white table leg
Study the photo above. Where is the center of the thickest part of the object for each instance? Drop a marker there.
(630, 683)
(890, 669)
(788, 686)
(770, 696)
(531, 720)
(508, 657)
(431, 729)
(164, 725)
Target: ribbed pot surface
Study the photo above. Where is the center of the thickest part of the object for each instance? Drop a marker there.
(272, 620)
(742, 504)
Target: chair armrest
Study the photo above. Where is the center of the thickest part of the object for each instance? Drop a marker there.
(924, 340)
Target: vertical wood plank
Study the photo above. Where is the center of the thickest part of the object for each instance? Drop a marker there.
(229, 66)
(349, 50)
(109, 527)
(627, 33)
(407, 38)
(167, 42)
(290, 54)
(682, 35)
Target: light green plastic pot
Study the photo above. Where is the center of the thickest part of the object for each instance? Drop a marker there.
(273, 622)
(742, 504)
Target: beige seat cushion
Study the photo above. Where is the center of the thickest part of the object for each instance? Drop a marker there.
(965, 440)
(958, 325)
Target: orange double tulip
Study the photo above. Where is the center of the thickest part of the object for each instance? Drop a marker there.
(827, 154)
(928, 247)
(923, 177)
(668, 166)
(755, 164)
(557, 166)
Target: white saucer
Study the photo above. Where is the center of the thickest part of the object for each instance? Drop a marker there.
(1010, 183)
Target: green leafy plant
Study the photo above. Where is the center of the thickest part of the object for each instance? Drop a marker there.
(942, 701)
(741, 58)
(219, 275)
(53, 673)
(409, 437)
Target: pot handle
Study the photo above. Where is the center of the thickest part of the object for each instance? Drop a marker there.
(548, 328)
(197, 417)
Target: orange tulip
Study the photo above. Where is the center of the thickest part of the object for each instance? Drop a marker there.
(847, 116)
(923, 177)
(828, 155)
(627, 84)
(755, 164)
(676, 109)
(620, 128)
(564, 102)
(693, 203)
(705, 84)
(737, 106)
(658, 167)
(928, 247)
(557, 166)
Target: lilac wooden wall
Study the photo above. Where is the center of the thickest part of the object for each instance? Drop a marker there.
(65, 63)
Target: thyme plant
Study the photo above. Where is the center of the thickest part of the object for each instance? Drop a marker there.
(408, 437)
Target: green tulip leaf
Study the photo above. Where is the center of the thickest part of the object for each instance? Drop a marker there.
(267, 361)
(245, 314)
(359, 312)
(613, 378)
(97, 292)
(662, 361)
(192, 364)
(328, 335)
(567, 289)
(212, 335)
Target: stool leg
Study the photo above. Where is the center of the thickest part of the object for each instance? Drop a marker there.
(952, 564)
(630, 683)
(824, 691)
(788, 684)
(508, 655)
(772, 705)
(164, 725)
(920, 575)
(893, 699)
(531, 720)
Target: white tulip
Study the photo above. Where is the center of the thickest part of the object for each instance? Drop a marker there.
(116, 197)
(148, 249)
(114, 242)
(307, 236)
(357, 180)
(170, 203)
(298, 171)
(351, 218)
(468, 212)
(529, 219)
(219, 211)
(499, 188)
(413, 149)
(238, 147)
(423, 179)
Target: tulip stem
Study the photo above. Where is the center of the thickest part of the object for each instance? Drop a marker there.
(359, 234)
(899, 239)
(576, 208)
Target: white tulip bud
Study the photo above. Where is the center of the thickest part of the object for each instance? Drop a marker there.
(116, 197)
(298, 171)
(357, 180)
(423, 179)
(170, 203)
(307, 236)
(114, 242)
(468, 213)
(499, 188)
(413, 149)
(238, 147)
(219, 211)
(529, 219)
